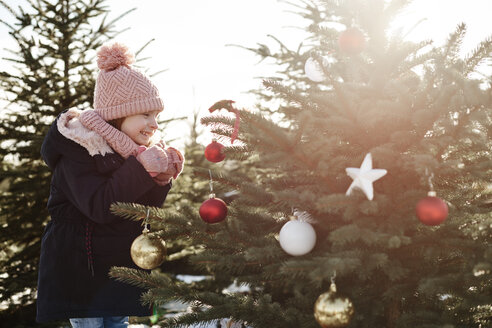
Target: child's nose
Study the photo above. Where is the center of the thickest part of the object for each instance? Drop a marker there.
(153, 123)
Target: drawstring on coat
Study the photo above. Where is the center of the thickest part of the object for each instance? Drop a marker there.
(89, 227)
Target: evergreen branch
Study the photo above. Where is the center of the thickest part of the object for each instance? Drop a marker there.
(220, 177)
(182, 118)
(417, 59)
(111, 23)
(282, 46)
(304, 101)
(150, 280)
(478, 55)
(454, 42)
(136, 212)
(143, 47)
(185, 253)
(239, 152)
(134, 277)
(6, 6)
(393, 8)
(159, 72)
(263, 51)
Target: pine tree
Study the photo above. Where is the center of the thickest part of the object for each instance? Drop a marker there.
(425, 115)
(51, 69)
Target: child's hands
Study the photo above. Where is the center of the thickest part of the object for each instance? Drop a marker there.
(176, 161)
(153, 159)
(175, 166)
(163, 178)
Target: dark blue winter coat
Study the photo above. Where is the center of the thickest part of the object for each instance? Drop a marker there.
(83, 231)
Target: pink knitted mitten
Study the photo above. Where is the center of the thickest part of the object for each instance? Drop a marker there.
(176, 161)
(153, 159)
(174, 168)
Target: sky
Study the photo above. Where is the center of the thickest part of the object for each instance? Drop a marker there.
(193, 37)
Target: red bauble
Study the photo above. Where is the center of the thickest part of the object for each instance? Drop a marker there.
(213, 210)
(432, 210)
(213, 152)
(351, 41)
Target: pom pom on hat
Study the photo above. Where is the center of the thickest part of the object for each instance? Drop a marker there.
(112, 56)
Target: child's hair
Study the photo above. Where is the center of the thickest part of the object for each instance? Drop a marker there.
(116, 123)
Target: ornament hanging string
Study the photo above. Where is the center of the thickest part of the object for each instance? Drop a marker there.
(429, 179)
(430, 176)
(211, 183)
(227, 105)
(146, 222)
(333, 286)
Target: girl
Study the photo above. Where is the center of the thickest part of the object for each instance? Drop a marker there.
(99, 157)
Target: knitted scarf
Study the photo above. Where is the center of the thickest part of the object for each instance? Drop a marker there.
(119, 141)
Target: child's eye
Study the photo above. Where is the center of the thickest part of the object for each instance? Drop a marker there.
(145, 115)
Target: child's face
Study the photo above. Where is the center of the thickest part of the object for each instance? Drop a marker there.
(141, 127)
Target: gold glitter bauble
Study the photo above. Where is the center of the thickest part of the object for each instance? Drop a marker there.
(331, 311)
(148, 252)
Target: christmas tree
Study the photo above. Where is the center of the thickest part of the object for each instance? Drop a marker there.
(365, 169)
(50, 69)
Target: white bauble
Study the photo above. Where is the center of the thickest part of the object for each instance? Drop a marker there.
(313, 70)
(297, 237)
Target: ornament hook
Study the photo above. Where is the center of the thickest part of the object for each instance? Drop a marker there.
(146, 222)
(293, 215)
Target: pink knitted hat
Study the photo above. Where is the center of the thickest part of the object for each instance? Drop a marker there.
(120, 89)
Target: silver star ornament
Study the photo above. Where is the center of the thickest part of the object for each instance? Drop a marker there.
(364, 177)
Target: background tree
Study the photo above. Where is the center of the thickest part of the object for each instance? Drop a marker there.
(425, 115)
(52, 68)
